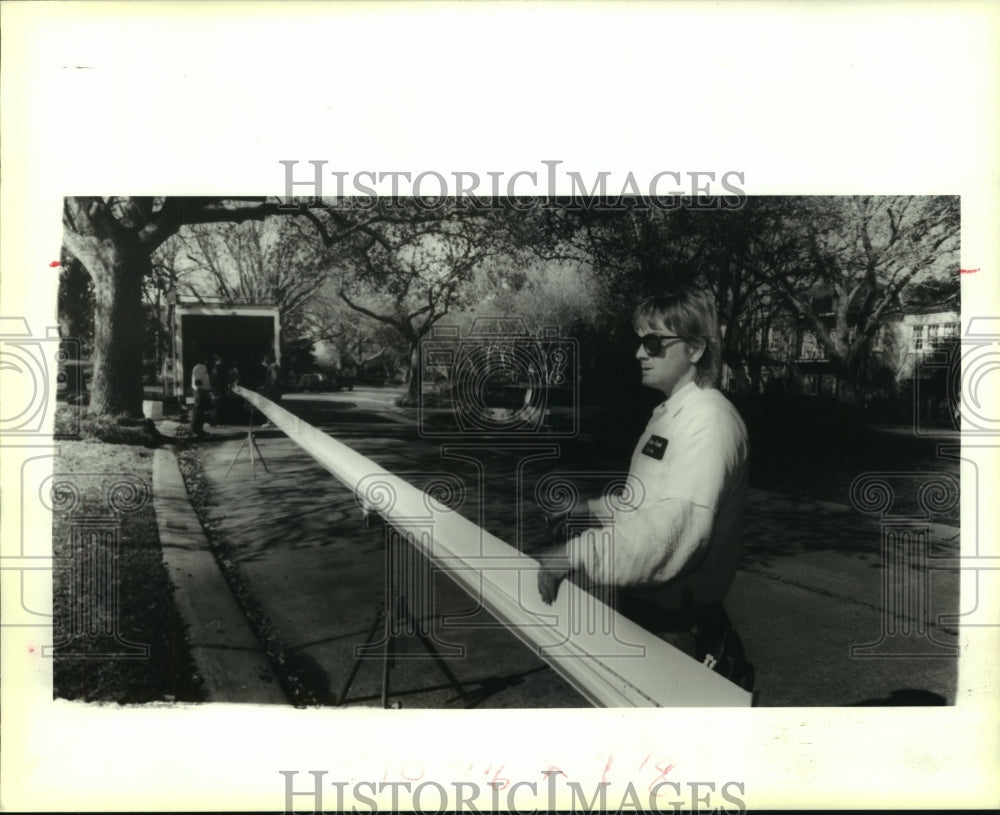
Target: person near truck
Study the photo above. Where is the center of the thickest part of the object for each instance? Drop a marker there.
(272, 379)
(201, 384)
(273, 388)
(218, 377)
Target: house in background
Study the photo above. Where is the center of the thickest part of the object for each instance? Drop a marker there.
(919, 334)
(912, 344)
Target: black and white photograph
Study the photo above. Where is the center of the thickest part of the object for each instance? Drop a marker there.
(366, 443)
(380, 435)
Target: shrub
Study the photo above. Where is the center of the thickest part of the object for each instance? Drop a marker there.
(108, 429)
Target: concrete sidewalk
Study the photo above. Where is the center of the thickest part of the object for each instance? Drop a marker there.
(229, 657)
(810, 585)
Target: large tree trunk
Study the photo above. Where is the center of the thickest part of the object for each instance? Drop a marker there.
(734, 362)
(118, 333)
(756, 368)
(412, 397)
(851, 396)
(850, 389)
(76, 317)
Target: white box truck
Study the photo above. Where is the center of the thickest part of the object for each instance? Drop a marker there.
(241, 333)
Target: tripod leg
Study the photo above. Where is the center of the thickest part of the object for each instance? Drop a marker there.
(357, 659)
(388, 651)
(442, 665)
(260, 455)
(393, 614)
(231, 463)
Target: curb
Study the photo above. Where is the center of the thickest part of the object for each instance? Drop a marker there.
(228, 654)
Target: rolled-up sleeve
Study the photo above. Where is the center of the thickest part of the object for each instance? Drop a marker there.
(651, 545)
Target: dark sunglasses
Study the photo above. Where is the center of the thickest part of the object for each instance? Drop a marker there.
(655, 343)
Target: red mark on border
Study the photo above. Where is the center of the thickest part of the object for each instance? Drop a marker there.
(55, 264)
(664, 769)
(968, 271)
(604, 775)
(497, 779)
(416, 768)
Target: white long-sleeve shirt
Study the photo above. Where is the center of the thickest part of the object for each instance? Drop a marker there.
(199, 378)
(676, 533)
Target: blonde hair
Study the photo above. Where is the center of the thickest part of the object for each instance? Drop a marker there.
(691, 314)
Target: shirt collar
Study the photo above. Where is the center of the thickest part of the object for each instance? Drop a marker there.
(676, 401)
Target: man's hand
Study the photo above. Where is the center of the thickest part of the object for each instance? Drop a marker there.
(553, 568)
(556, 525)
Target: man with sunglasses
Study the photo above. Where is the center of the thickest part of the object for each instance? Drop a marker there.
(675, 537)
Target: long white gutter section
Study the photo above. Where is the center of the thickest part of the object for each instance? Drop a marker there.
(609, 659)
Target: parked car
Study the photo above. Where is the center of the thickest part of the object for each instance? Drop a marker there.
(313, 383)
(347, 375)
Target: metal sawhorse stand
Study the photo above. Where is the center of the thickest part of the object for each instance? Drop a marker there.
(396, 619)
(250, 443)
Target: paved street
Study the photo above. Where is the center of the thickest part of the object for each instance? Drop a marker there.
(810, 586)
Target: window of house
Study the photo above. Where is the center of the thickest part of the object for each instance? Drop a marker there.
(811, 349)
(950, 330)
(918, 338)
(775, 339)
(877, 339)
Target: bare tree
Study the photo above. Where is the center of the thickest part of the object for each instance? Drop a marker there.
(278, 261)
(413, 274)
(864, 253)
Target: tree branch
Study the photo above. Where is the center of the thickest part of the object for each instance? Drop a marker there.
(397, 324)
